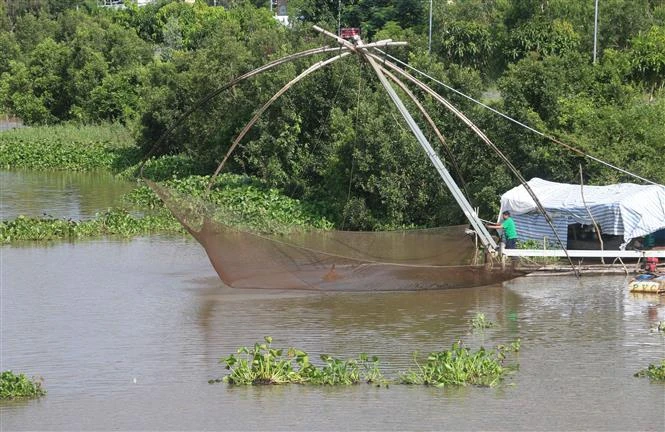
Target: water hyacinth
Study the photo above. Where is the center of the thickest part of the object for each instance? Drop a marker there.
(459, 366)
(118, 222)
(480, 322)
(14, 386)
(263, 364)
(654, 372)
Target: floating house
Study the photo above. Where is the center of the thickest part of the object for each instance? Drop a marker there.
(629, 218)
(626, 210)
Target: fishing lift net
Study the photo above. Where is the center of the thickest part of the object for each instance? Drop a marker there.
(295, 258)
(314, 259)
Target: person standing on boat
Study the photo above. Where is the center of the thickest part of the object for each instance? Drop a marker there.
(509, 230)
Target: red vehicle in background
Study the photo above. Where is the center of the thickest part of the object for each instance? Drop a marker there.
(349, 33)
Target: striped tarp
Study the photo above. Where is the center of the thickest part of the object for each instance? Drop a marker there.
(625, 209)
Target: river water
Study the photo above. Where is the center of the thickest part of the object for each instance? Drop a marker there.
(126, 334)
(58, 194)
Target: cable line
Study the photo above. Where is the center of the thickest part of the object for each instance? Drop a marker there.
(517, 122)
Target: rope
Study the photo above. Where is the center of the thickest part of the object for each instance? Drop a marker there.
(355, 142)
(485, 139)
(204, 100)
(517, 122)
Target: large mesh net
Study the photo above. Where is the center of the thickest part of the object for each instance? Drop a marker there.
(293, 258)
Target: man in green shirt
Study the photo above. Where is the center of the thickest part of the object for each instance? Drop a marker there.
(509, 230)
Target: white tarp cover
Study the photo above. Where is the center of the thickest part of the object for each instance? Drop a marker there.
(624, 209)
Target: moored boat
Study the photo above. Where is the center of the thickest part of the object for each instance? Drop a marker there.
(648, 283)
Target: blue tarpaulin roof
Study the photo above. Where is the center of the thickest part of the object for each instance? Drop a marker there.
(624, 209)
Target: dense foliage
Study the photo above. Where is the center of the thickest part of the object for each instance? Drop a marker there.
(334, 138)
(13, 386)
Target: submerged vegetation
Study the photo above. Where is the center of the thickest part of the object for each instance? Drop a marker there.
(655, 372)
(480, 322)
(14, 386)
(263, 364)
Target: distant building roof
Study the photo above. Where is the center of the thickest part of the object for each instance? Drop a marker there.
(121, 3)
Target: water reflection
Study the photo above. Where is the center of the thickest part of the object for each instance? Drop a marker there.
(58, 194)
(93, 316)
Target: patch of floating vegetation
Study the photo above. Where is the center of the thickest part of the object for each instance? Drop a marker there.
(655, 372)
(14, 386)
(460, 366)
(480, 322)
(112, 222)
(255, 207)
(263, 364)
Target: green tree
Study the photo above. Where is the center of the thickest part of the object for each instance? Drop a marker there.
(9, 50)
(29, 30)
(647, 57)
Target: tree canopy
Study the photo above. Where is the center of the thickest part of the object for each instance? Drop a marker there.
(334, 138)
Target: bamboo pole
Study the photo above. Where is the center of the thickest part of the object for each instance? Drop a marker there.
(261, 110)
(484, 138)
(464, 204)
(595, 225)
(232, 83)
(430, 121)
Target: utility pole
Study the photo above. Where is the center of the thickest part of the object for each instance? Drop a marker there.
(429, 45)
(339, 17)
(595, 32)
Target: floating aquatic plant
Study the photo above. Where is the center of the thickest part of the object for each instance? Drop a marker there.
(459, 366)
(655, 372)
(263, 364)
(14, 386)
(481, 322)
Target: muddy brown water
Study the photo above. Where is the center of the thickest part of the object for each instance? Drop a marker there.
(127, 333)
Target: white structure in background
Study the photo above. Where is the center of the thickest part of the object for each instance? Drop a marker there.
(120, 3)
(281, 13)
